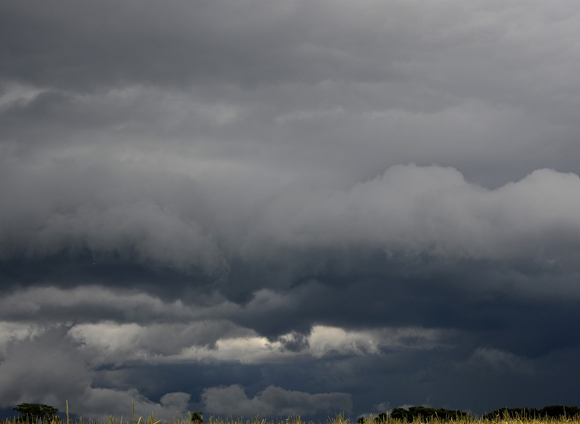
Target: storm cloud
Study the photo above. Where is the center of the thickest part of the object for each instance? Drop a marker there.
(273, 401)
(289, 207)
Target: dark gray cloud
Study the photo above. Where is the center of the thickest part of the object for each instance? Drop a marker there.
(298, 207)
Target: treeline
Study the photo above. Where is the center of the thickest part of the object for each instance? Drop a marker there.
(423, 413)
(428, 414)
(552, 411)
(38, 413)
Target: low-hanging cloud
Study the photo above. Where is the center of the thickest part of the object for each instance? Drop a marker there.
(499, 361)
(272, 401)
(49, 368)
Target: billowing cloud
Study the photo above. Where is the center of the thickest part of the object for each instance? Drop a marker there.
(48, 368)
(273, 401)
(434, 210)
(409, 209)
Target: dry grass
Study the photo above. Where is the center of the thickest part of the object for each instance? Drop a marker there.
(339, 419)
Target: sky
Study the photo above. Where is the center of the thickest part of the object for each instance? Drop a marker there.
(280, 207)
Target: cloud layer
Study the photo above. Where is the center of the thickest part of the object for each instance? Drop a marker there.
(289, 207)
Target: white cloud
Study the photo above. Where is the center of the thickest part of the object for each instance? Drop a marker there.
(322, 341)
(191, 333)
(325, 340)
(154, 343)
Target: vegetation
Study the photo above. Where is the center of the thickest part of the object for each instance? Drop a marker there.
(195, 417)
(555, 414)
(424, 414)
(33, 412)
(552, 411)
(296, 420)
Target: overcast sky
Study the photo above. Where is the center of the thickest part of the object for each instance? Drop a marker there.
(277, 207)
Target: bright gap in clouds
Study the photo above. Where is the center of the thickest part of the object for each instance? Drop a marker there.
(169, 343)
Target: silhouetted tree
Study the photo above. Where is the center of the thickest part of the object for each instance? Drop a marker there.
(425, 413)
(381, 418)
(195, 417)
(558, 411)
(35, 411)
(552, 411)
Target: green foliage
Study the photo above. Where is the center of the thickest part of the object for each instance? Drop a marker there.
(382, 418)
(426, 414)
(35, 411)
(557, 411)
(555, 414)
(552, 411)
(195, 417)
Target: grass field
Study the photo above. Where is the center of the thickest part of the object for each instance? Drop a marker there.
(338, 419)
